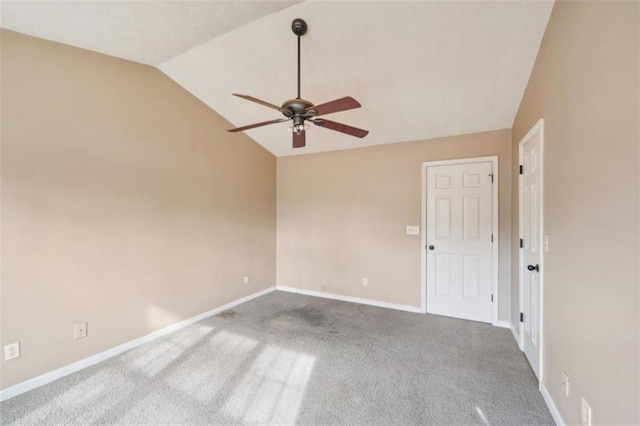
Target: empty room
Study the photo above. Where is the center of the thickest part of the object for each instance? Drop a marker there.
(320, 212)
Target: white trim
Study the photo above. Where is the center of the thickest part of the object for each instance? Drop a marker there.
(503, 324)
(49, 377)
(516, 336)
(555, 413)
(520, 233)
(538, 126)
(496, 237)
(423, 240)
(351, 299)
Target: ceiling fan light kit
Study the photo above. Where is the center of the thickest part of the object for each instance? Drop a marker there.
(299, 110)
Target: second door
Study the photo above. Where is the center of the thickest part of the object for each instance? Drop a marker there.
(459, 240)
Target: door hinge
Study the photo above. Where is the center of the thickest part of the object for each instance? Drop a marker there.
(521, 243)
(491, 237)
(521, 317)
(492, 298)
(521, 169)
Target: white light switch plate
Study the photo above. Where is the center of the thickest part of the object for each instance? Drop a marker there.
(413, 230)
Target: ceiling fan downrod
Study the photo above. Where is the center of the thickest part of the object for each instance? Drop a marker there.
(299, 28)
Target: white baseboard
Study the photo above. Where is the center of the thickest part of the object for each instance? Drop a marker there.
(516, 335)
(351, 299)
(49, 377)
(551, 405)
(503, 324)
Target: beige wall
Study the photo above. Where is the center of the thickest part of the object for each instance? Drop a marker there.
(125, 203)
(585, 85)
(342, 216)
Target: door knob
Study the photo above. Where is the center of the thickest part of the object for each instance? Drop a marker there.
(534, 268)
(431, 247)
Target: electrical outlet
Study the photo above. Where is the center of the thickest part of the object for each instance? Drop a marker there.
(565, 383)
(80, 330)
(585, 413)
(245, 279)
(365, 282)
(11, 351)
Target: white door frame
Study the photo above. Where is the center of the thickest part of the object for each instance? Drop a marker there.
(494, 223)
(538, 126)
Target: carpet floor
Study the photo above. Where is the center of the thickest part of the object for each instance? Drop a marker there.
(290, 359)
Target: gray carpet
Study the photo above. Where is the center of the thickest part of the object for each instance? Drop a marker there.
(285, 359)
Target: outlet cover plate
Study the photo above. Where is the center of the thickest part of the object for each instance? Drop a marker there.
(80, 330)
(585, 413)
(11, 351)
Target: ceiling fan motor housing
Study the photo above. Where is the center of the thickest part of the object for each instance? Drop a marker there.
(297, 107)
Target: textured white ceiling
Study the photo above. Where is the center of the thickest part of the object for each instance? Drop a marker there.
(420, 69)
(150, 32)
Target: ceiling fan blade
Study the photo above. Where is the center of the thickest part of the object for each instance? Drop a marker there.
(261, 102)
(299, 140)
(264, 123)
(339, 127)
(341, 104)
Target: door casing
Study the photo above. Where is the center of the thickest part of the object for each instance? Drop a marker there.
(539, 126)
(494, 223)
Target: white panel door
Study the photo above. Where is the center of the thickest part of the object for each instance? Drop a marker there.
(532, 235)
(459, 240)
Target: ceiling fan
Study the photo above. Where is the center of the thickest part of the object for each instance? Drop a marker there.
(301, 110)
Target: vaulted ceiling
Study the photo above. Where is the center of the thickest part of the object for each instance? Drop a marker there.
(149, 32)
(420, 69)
